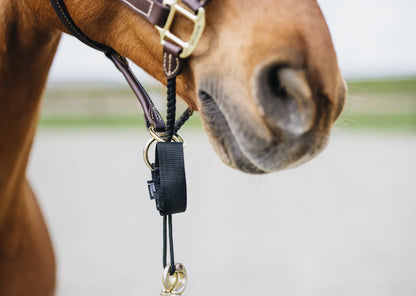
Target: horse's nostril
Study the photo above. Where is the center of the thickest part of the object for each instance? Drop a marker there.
(284, 98)
(274, 83)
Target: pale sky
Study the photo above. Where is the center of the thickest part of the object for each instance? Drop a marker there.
(373, 38)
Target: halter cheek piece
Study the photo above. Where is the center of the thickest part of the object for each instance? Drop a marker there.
(161, 14)
(168, 185)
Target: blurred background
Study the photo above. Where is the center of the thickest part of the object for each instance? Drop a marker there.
(342, 224)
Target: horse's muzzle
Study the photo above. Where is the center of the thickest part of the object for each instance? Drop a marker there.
(289, 124)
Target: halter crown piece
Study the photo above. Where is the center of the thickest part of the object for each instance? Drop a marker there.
(168, 185)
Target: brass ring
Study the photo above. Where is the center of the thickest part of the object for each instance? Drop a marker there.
(154, 134)
(169, 281)
(175, 138)
(182, 276)
(146, 153)
(175, 283)
(157, 137)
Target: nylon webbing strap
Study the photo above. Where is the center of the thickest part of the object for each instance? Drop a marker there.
(168, 184)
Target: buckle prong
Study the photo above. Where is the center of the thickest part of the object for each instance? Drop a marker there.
(198, 19)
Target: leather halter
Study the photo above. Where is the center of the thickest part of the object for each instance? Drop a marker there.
(169, 175)
(161, 14)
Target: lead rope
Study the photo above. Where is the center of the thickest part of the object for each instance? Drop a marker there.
(171, 109)
(167, 222)
(168, 184)
(170, 131)
(169, 163)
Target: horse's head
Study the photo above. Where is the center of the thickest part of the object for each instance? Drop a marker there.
(264, 77)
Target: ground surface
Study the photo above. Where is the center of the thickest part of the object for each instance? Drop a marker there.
(343, 224)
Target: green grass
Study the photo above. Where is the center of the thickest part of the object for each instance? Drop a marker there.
(93, 91)
(385, 86)
(388, 104)
(380, 122)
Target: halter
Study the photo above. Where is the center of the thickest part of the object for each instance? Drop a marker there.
(168, 173)
(162, 15)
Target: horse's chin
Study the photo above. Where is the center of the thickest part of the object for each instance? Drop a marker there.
(241, 145)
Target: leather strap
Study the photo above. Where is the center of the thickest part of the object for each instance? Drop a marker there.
(152, 116)
(156, 13)
(194, 5)
(172, 62)
(63, 14)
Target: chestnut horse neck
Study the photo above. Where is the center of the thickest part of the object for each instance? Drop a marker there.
(26, 53)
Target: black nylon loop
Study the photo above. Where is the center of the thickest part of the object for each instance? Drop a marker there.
(169, 178)
(168, 181)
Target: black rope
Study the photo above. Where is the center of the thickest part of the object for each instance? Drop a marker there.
(170, 131)
(167, 223)
(165, 242)
(172, 128)
(171, 109)
(172, 258)
(181, 120)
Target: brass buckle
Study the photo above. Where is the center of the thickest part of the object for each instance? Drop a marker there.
(199, 25)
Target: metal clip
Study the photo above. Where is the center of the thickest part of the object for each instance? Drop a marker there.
(199, 25)
(175, 284)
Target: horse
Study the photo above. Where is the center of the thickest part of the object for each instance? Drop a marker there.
(264, 78)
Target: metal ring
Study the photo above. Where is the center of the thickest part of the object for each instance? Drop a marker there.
(180, 279)
(157, 137)
(182, 276)
(154, 134)
(167, 282)
(175, 138)
(146, 153)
